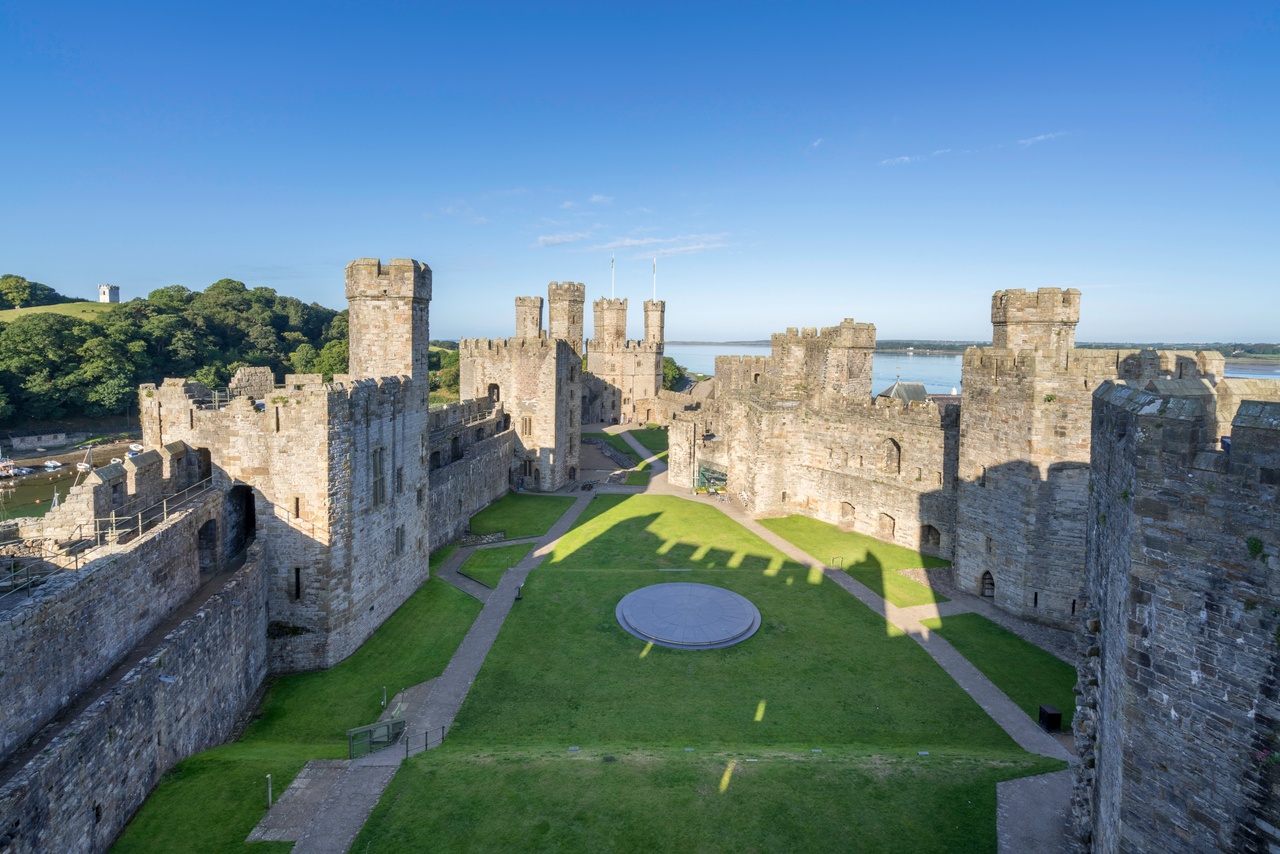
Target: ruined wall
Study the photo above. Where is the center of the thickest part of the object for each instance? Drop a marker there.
(471, 451)
(539, 384)
(1178, 708)
(79, 624)
(80, 792)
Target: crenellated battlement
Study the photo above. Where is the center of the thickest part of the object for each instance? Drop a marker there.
(528, 317)
(567, 291)
(1044, 320)
(470, 348)
(399, 277)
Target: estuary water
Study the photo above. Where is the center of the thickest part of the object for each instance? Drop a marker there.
(939, 373)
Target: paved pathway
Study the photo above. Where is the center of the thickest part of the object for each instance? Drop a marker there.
(330, 800)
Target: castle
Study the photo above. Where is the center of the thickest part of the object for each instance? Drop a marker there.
(1126, 495)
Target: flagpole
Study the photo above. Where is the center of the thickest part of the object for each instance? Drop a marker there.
(612, 277)
(655, 278)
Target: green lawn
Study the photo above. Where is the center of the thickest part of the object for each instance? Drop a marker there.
(821, 674)
(1025, 672)
(652, 438)
(521, 514)
(872, 562)
(638, 478)
(71, 309)
(619, 444)
(210, 801)
(489, 565)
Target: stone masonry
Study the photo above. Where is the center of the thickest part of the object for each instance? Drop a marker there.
(1179, 697)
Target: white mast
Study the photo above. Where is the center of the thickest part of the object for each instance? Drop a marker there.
(612, 277)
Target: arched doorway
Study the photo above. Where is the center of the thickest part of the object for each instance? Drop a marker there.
(988, 585)
(495, 393)
(537, 478)
(930, 538)
(242, 518)
(573, 473)
(887, 527)
(847, 511)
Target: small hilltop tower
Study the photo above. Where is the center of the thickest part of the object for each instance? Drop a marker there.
(108, 293)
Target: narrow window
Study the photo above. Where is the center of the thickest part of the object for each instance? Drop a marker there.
(297, 583)
(1035, 600)
(277, 419)
(1073, 607)
(399, 480)
(297, 507)
(991, 546)
(419, 496)
(526, 425)
(400, 540)
(379, 477)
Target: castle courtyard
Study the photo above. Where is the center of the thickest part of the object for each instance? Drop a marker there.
(832, 728)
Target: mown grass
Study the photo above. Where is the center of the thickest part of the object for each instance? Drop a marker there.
(489, 565)
(520, 514)
(619, 444)
(71, 309)
(210, 801)
(517, 800)
(1025, 672)
(820, 674)
(637, 478)
(870, 561)
(653, 439)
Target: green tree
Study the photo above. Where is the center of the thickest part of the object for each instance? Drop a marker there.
(15, 291)
(673, 376)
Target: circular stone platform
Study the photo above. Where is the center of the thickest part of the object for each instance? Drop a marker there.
(683, 615)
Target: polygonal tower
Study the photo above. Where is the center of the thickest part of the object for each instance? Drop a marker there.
(565, 301)
(610, 322)
(654, 313)
(1044, 320)
(388, 317)
(528, 317)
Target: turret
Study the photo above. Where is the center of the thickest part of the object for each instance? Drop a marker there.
(1044, 320)
(388, 318)
(654, 313)
(566, 300)
(528, 317)
(611, 322)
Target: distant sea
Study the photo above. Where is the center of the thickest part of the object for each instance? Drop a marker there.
(939, 373)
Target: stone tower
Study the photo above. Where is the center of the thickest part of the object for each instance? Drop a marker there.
(565, 301)
(1044, 321)
(611, 322)
(108, 293)
(654, 320)
(388, 319)
(529, 317)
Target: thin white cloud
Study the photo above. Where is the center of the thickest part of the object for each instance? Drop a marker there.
(941, 151)
(563, 238)
(565, 205)
(815, 143)
(663, 246)
(598, 199)
(689, 248)
(898, 161)
(1044, 137)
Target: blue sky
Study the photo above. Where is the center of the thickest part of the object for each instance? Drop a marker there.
(790, 166)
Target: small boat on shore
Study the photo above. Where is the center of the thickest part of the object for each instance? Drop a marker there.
(52, 465)
(84, 466)
(136, 447)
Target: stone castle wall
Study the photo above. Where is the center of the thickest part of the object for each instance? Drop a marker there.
(1024, 451)
(625, 376)
(1179, 706)
(472, 447)
(539, 384)
(374, 438)
(79, 624)
(81, 791)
